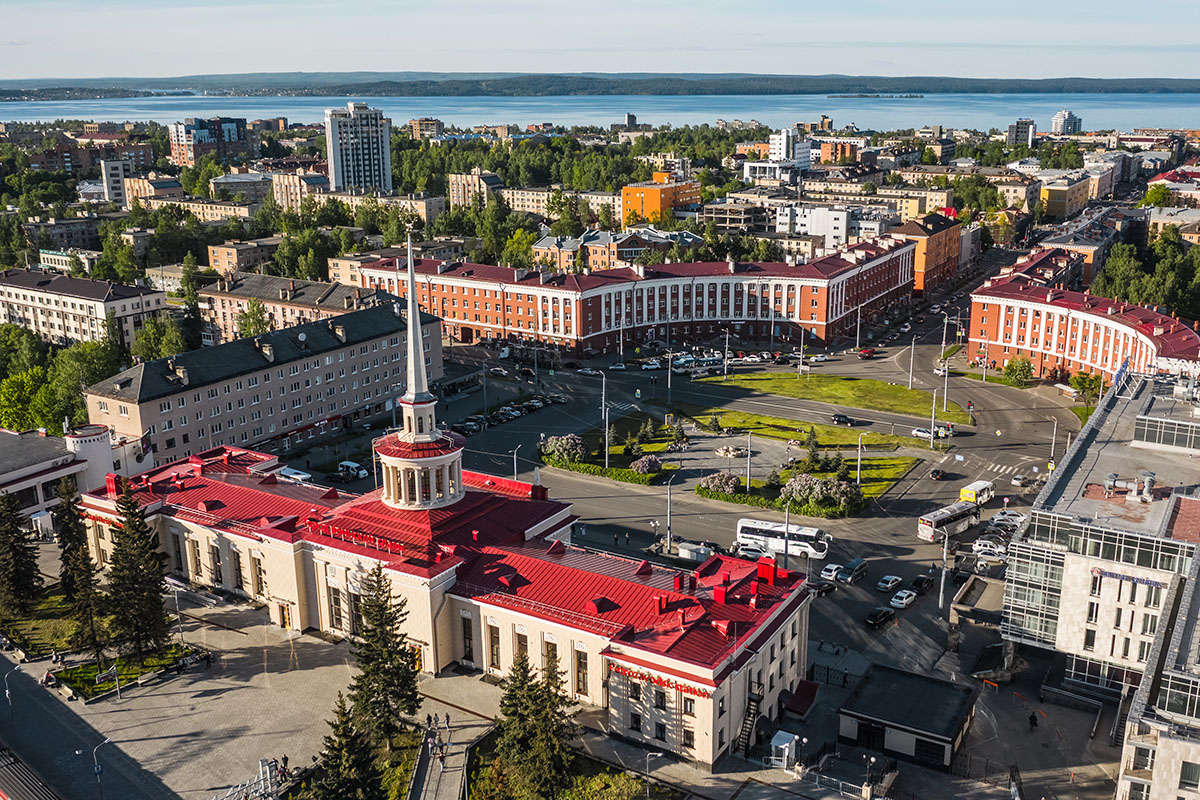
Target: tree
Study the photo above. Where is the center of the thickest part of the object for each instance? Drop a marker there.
(548, 763)
(16, 395)
(604, 218)
(71, 533)
(516, 704)
(348, 769)
(518, 250)
(19, 575)
(135, 580)
(254, 320)
(1087, 386)
(148, 341)
(174, 339)
(1019, 372)
(88, 604)
(1157, 195)
(386, 686)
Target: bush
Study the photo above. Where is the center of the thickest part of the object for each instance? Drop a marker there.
(566, 448)
(646, 465)
(722, 482)
(616, 474)
(714, 423)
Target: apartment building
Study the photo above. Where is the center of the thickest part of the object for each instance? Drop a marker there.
(730, 216)
(273, 391)
(1065, 122)
(938, 241)
(419, 205)
(82, 232)
(1023, 131)
(65, 260)
(113, 173)
(344, 269)
(837, 152)
(1064, 195)
(290, 188)
(425, 128)
(536, 201)
(838, 225)
(225, 137)
(1063, 332)
(287, 302)
(464, 187)
(1093, 233)
(74, 160)
(790, 144)
(358, 143)
(604, 250)
(609, 309)
(239, 256)
(152, 187)
(1050, 267)
(252, 186)
(204, 209)
(770, 173)
(65, 310)
(657, 199)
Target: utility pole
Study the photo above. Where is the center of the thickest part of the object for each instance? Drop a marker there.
(942, 587)
(669, 513)
(912, 357)
(858, 329)
(670, 369)
(1054, 439)
(858, 480)
(485, 403)
(945, 384)
(725, 355)
(933, 420)
(787, 515)
(749, 452)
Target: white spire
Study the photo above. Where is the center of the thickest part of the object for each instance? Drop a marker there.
(417, 388)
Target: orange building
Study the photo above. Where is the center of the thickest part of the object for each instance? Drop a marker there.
(836, 152)
(937, 239)
(761, 150)
(657, 199)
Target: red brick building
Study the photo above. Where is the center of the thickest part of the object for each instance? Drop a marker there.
(673, 303)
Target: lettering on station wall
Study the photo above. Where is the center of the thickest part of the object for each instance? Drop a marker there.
(658, 680)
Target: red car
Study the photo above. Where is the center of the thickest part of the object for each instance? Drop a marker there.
(866, 352)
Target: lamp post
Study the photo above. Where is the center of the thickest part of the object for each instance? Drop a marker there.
(945, 363)
(649, 756)
(485, 403)
(604, 414)
(858, 480)
(858, 329)
(669, 513)
(749, 455)
(515, 449)
(7, 693)
(933, 420)
(912, 357)
(725, 355)
(96, 768)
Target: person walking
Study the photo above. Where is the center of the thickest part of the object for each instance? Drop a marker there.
(441, 762)
(447, 720)
(428, 722)
(1032, 720)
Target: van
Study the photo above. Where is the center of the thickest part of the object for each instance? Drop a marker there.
(979, 492)
(295, 474)
(853, 571)
(505, 352)
(353, 469)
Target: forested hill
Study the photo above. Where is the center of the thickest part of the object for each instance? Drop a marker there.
(476, 84)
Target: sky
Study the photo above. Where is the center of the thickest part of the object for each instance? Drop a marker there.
(1019, 38)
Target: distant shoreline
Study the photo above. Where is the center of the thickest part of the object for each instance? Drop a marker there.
(875, 96)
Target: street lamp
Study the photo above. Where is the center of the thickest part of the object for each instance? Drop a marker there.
(858, 480)
(669, 512)
(649, 756)
(912, 357)
(604, 413)
(7, 693)
(515, 449)
(933, 420)
(96, 768)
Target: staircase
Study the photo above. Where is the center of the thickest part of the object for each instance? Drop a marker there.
(746, 733)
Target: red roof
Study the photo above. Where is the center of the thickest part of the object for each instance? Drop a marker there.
(392, 446)
(1172, 337)
(697, 617)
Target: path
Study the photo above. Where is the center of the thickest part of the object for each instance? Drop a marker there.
(440, 782)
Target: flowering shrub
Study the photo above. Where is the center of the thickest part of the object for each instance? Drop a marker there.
(646, 465)
(565, 448)
(724, 482)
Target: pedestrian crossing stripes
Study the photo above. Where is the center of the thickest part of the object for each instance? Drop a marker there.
(1001, 469)
(622, 406)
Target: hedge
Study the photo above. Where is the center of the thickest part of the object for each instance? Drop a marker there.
(614, 473)
(777, 505)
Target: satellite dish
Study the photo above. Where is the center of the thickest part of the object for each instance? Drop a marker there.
(303, 337)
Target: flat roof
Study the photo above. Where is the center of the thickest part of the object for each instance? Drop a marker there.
(910, 700)
(19, 450)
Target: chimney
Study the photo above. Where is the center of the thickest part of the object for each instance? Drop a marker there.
(340, 332)
(112, 484)
(475, 535)
(725, 578)
(679, 581)
(182, 372)
(660, 602)
(291, 286)
(720, 594)
(266, 348)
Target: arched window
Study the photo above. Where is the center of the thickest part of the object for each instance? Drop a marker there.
(420, 424)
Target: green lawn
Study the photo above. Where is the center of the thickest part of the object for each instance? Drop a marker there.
(950, 350)
(878, 474)
(828, 436)
(82, 677)
(1083, 413)
(46, 627)
(994, 376)
(844, 391)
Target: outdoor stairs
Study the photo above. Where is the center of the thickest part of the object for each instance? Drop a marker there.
(746, 734)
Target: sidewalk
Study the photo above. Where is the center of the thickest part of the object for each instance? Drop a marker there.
(440, 782)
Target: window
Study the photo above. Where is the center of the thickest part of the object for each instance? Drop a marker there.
(1189, 775)
(689, 706)
(1149, 624)
(721, 707)
(1143, 650)
(1117, 619)
(468, 640)
(1089, 639)
(660, 698)
(523, 645)
(550, 653)
(1097, 581)
(335, 608)
(689, 738)
(721, 738)
(494, 647)
(1093, 612)
(581, 672)
(635, 691)
(635, 722)
(1153, 596)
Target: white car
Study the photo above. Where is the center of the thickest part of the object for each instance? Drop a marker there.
(940, 371)
(1015, 517)
(888, 582)
(752, 359)
(750, 553)
(903, 598)
(651, 365)
(921, 433)
(988, 548)
(618, 365)
(830, 572)
(818, 358)
(1019, 480)
(589, 371)
(935, 308)
(905, 328)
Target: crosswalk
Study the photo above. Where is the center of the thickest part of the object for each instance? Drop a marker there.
(999, 469)
(622, 406)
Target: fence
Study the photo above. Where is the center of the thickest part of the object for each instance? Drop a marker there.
(826, 782)
(471, 762)
(831, 676)
(982, 769)
(1061, 697)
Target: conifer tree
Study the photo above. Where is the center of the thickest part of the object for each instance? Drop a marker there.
(19, 576)
(386, 686)
(87, 605)
(516, 705)
(535, 744)
(72, 535)
(348, 769)
(136, 583)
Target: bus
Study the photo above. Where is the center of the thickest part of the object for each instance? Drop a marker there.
(948, 521)
(979, 492)
(771, 536)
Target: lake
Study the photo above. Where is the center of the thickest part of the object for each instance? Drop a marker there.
(981, 111)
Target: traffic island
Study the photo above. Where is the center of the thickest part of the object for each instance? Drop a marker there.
(81, 680)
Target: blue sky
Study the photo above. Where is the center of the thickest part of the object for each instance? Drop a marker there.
(1019, 38)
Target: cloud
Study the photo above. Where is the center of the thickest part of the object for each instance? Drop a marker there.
(13, 42)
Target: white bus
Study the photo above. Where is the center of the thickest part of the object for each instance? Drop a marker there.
(770, 536)
(947, 521)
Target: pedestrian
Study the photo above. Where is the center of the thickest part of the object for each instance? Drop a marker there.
(447, 720)
(284, 760)
(1032, 720)
(616, 540)
(208, 664)
(627, 538)
(582, 531)
(428, 722)
(441, 762)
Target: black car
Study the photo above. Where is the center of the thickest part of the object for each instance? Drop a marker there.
(525, 372)
(782, 360)
(558, 399)
(571, 365)
(842, 419)
(339, 477)
(921, 583)
(880, 616)
(496, 418)
(937, 474)
(822, 587)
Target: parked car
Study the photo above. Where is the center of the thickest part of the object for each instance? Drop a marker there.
(830, 571)
(525, 372)
(766, 355)
(1016, 517)
(821, 588)
(750, 553)
(853, 571)
(479, 419)
(867, 352)
(879, 616)
(842, 419)
(921, 583)
(647, 365)
(496, 418)
(589, 371)
(557, 399)
(887, 583)
(354, 469)
(781, 360)
(986, 548)
(903, 598)
(339, 477)
(536, 402)
(617, 365)
(752, 359)
(818, 358)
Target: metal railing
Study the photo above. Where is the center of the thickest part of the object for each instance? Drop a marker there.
(585, 621)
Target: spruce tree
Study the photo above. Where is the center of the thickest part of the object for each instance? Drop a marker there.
(546, 767)
(136, 583)
(386, 686)
(348, 770)
(516, 730)
(71, 532)
(19, 576)
(87, 605)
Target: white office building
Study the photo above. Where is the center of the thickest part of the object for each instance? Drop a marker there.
(1065, 123)
(840, 225)
(113, 173)
(790, 145)
(358, 141)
